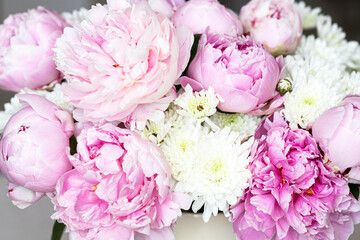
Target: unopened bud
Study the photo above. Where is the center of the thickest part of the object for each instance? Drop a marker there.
(284, 86)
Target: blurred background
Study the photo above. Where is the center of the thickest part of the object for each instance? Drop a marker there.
(34, 223)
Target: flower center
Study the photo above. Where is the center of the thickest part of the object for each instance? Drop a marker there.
(198, 107)
(310, 192)
(215, 171)
(154, 130)
(308, 101)
(230, 119)
(95, 188)
(184, 145)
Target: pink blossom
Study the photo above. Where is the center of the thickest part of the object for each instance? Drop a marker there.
(30, 156)
(242, 72)
(199, 15)
(166, 7)
(123, 55)
(23, 197)
(121, 183)
(292, 194)
(152, 111)
(338, 133)
(26, 55)
(274, 23)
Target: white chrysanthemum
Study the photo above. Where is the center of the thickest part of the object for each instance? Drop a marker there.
(155, 131)
(330, 32)
(244, 124)
(212, 168)
(307, 102)
(179, 145)
(354, 64)
(316, 88)
(198, 105)
(76, 17)
(339, 56)
(55, 95)
(351, 83)
(335, 37)
(331, 45)
(309, 15)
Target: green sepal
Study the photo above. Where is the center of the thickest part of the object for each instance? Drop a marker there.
(57, 230)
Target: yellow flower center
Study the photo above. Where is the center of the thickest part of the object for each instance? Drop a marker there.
(307, 101)
(215, 171)
(198, 107)
(184, 145)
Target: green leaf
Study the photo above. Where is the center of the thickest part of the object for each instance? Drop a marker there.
(73, 145)
(57, 231)
(354, 189)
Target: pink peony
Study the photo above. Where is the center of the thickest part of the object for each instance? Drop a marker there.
(21, 196)
(199, 15)
(166, 7)
(274, 23)
(26, 55)
(120, 184)
(243, 73)
(122, 56)
(33, 149)
(338, 133)
(292, 194)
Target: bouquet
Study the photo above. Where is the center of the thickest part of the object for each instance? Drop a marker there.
(130, 113)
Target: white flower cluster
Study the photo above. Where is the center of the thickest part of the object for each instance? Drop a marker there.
(322, 71)
(52, 93)
(309, 15)
(208, 151)
(75, 18)
(330, 45)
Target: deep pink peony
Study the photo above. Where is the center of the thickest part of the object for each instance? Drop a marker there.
(274, 23)
(199, 15)
(120, 184)
(26, 55)
(338, 133)
(242, 72)
(123, 56)
(34, 149)
(292, 194)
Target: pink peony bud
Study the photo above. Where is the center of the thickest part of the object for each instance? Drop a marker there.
(34, 147)
(338, 133)
(274, 23)
(26, 55)
(201, 14)
(242, 72)
(124, 55)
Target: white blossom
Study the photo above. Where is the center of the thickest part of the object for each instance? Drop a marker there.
(316, 88)
(211, 167)
(75, 17)
(244, 124)
(309, 15)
